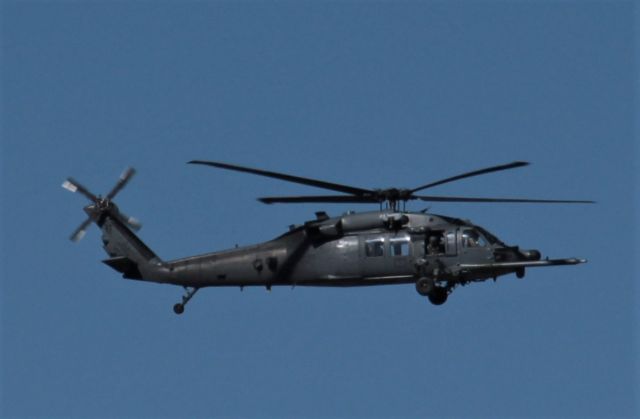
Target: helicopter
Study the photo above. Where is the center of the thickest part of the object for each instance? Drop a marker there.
(391, 245)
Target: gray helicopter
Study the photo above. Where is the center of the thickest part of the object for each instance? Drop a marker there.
(437, 253)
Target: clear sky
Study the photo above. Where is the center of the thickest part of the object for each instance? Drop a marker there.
(372, 94)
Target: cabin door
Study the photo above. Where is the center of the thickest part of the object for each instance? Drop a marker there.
(385, 255)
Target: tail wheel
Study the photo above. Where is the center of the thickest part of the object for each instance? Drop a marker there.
(438, 296)
(179, 307)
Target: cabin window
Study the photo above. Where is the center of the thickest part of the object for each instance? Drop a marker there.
(374, 248)
(471, 238)
(435, 243)
(399, 247)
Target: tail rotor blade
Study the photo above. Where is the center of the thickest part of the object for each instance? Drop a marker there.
(101, 205)
(122, 182)
(79, 233)
(74, 186)
(132, 222)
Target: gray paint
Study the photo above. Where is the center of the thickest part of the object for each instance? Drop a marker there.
(326, 252)
(435, 252)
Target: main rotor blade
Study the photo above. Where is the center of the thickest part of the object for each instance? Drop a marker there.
(122, 182)
(79, 232)
(331, 199)
(511, 200)
(474, 173)
(289, 178)
(74, 186)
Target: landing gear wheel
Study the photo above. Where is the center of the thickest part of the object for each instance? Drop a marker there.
(424, 286)
(190, 291)
(438, 296)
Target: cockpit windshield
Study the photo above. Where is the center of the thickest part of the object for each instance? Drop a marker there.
(490, 237)
(472, 238)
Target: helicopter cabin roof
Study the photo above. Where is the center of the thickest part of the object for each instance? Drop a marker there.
(352, 222)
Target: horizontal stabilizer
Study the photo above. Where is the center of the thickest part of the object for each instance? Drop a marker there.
(126, 266)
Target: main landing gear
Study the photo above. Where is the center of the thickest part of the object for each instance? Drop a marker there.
(438, 296)
(427, 287)
(190, 291)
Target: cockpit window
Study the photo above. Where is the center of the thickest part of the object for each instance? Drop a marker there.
(373, 248)
(490, 237)
(471, 238)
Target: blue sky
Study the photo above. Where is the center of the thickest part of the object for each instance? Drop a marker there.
(372, 94)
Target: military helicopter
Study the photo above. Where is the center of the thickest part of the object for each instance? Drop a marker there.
(437, 253)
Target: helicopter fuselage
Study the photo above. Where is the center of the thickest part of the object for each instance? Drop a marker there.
(371, 248)
(434, 252)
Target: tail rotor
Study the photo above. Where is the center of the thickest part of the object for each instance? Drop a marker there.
(122, 182)
(79, 232)
(101, 205)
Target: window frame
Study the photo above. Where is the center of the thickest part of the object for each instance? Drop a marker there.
(371, 250)
(405, 246)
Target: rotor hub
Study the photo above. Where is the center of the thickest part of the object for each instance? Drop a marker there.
(99, 205)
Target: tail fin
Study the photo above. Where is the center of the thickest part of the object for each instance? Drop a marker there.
(128, 254)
